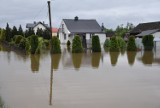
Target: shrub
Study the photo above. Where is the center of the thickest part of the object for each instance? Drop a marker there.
(148, 42)
(68, 43)
(96, 47)
(34, 43)
(114, 45)
(106, 43)
(46, 43)
(17, 39)
(77, 45)
(55, 45)
(121, 43)
(131, 46)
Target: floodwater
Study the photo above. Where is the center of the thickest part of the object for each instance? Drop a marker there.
(104, 80)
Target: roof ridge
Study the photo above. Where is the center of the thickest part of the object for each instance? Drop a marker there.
(150, 22)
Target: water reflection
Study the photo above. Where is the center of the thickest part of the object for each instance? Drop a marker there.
(131, 55)
(55, 60)
(96, 59)
(148, 57)
(114, 57)
(1, 103)
(77, 60)
(35, 59)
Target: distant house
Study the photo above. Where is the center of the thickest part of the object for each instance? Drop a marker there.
(143, 29)
(85, 28)
(37, 25)
(54, 31)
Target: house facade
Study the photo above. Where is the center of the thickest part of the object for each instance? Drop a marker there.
(54, 31)
(37, 25)
(143, 29)
(85, 28)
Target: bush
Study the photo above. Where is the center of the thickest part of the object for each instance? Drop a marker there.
(96, 47)
(46, 43)
(148, 42)
(55, 45)
(131, 46)
(77, 45)
(34, 43)
(121, 43)
(114, 45)
(106, 43)
(17, 39)
(68, 43)
(2, 35)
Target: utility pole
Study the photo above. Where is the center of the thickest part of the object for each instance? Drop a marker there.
(50, 20)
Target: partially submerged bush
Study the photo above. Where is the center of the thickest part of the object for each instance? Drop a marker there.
(148, 42)
(96, 47)
(34, 43)
(77, 45)
(107, 43)
(114, 45)
(131, 46)
(55, 45)
(121, 43)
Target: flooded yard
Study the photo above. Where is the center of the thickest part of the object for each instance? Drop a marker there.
(104, 80)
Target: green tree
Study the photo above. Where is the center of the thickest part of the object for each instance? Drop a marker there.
(96, 47)
(114, 45)
(77, 45)
(131, 46)
(8, 33)
(2, 35)
(148, 42)
(34, 43)
(55, 45)
(46, 34)
(20, 31)
(14, 31)
(39, 32)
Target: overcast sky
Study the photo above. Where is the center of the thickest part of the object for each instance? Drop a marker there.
(109, 12)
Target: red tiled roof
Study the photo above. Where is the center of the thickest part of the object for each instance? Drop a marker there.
(54, 30)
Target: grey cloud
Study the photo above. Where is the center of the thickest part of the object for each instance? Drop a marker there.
(111, 13)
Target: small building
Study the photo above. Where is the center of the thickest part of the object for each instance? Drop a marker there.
(85, 28)
(143, 29)
(54, 31)
(37, 25)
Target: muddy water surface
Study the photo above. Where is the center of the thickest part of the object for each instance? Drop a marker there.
(104, 80)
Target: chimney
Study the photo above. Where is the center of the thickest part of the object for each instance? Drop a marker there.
(34, 22)
(76, 18)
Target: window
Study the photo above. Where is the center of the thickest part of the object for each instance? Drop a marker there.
(65, 37)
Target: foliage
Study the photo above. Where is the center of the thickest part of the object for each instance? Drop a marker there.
(29, 32)
(148, 42)
(46, 34)
(17, 39)
(20, 31)
(55, 45)
(77, 45)
(114, 44)
(24, 44)
(106, 43)
(2, 34)
(39, 32)
(8, 33)
(96, 47)
(121, 43)
(14, 32)
(131, 46)
(34, 43)
(46, 43)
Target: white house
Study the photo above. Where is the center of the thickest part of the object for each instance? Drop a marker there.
(143, 29)
(37, 25)
(85, 28)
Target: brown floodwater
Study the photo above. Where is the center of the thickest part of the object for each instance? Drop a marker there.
(87, 80)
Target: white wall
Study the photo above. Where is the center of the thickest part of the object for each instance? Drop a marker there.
(61, 35)
(102, 38)
(40, 26)
(157, 35)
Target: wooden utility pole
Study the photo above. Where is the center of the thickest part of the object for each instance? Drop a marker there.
(50, 20)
